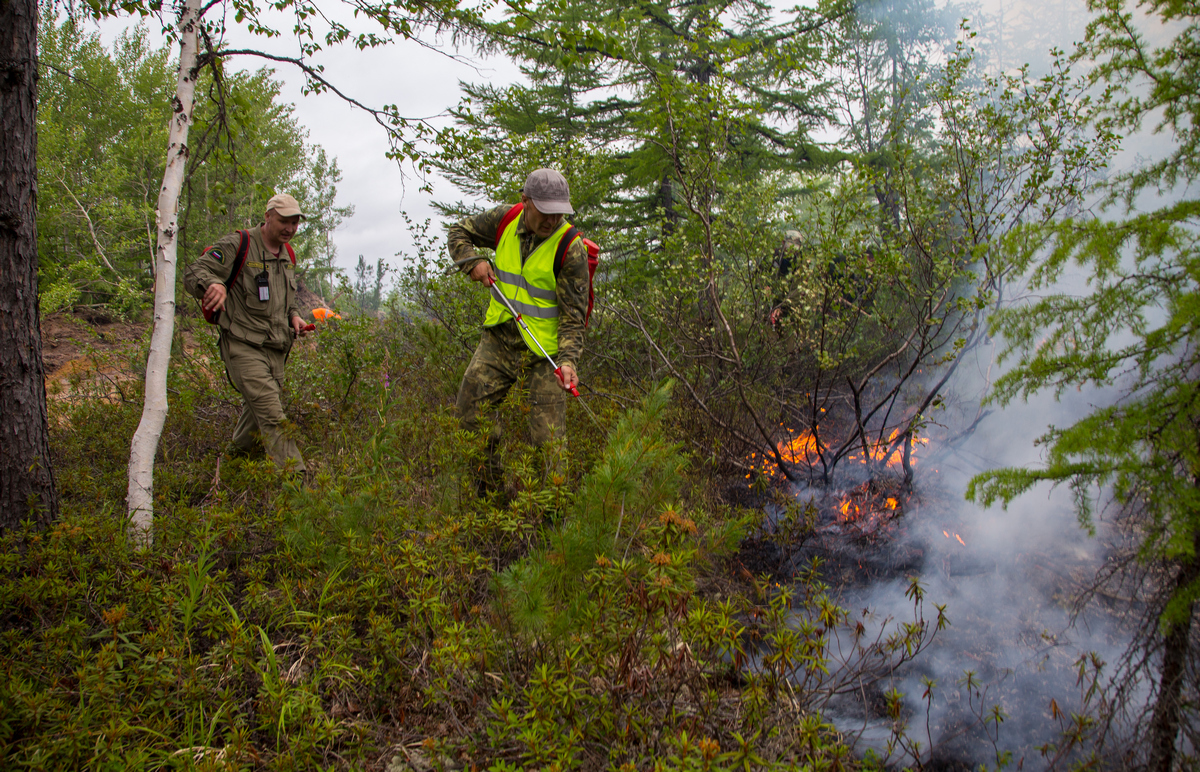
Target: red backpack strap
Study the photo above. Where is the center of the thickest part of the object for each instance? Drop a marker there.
(563, 245)
(509, 216)
(239, 262)
(291, 252)
(593, 260)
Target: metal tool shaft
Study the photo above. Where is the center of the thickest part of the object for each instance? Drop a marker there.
(557, 370)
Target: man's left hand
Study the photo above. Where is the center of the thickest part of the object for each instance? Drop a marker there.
(567, 378)
(297, 327)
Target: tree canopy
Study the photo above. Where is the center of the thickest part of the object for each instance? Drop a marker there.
(102, 118)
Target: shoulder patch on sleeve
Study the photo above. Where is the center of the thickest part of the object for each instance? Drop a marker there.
(216, 253)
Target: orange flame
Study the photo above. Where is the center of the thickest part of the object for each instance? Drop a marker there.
(799, 449)
(896, 457)
(803, 449)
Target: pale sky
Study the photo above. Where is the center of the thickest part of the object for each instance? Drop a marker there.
(423, 83)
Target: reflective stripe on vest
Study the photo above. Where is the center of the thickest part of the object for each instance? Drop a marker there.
(529, 287)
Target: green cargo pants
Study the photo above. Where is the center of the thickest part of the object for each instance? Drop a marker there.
(257, 373)
(500, 359)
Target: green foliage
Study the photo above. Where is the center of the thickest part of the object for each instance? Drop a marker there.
(314, 246)
(1135, 328)
(248, 146)
(102, 129)
(297, 625)
(1149, 78)
(611, 86)
(445, 308)
(846, 329)
(293, 626)
(102, 125)
(367, 289)
(638, 476)
(887, 50)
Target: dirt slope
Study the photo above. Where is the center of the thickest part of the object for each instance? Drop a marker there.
(68, 338)
(71, 340)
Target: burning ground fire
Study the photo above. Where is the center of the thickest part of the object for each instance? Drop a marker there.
(803, 450)
(867, 507)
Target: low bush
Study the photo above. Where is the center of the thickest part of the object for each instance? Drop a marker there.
(381, 615)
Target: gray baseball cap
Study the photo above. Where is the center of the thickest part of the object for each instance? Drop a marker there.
(550, 192)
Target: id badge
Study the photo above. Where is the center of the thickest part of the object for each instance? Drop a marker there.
(264, 287)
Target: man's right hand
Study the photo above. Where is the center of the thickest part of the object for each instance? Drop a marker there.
(481, 272)
(214, 298)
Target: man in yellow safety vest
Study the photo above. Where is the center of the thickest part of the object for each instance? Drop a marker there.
(548, 284)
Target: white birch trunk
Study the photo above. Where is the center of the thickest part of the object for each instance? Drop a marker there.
(154, 412)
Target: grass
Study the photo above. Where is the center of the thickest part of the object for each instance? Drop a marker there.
(384, 613)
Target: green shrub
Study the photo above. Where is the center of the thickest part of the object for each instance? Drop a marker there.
(281, 625)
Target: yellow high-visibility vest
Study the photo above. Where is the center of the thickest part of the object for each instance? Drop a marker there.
(529, 287)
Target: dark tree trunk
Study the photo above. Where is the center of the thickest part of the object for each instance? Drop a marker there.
(26, 478)
(1164, 725)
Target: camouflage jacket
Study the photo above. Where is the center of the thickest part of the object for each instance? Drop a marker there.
(571, 285)
(245, 317)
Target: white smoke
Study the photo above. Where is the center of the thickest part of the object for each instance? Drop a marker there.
(1008, 577)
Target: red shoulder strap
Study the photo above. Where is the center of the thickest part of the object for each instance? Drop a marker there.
(291, 252)
(509, 216)
(239, 262)
(563, 245)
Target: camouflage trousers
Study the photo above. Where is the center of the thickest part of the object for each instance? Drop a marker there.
(257, 373)
(499, 361)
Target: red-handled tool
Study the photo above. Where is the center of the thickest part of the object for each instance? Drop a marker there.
(491, 282)
(309, 327)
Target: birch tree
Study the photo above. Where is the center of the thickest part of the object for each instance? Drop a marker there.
(154, 412)
(201, 44)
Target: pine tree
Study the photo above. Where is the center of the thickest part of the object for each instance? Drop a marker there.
(1137, 328)
(27, 487)
(601, 80)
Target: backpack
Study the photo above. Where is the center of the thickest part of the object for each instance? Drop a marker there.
(239, 262)
(593, 253)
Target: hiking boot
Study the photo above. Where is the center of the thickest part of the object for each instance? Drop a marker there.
(237, 451)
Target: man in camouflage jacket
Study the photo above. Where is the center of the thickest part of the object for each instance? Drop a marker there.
(503, 355)
(259, 319)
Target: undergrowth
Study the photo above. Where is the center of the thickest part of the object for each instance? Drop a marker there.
(381, 615)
